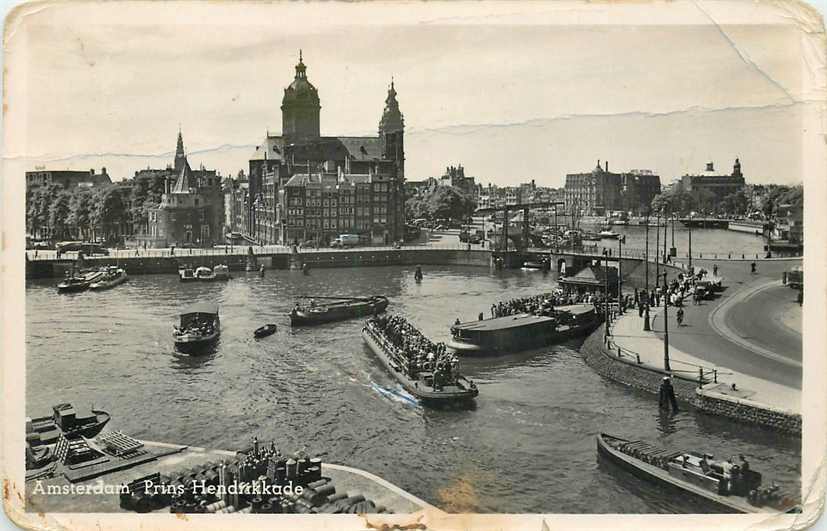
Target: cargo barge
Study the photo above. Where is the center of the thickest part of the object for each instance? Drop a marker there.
(748, 226)
(727, 486)
(513, 333)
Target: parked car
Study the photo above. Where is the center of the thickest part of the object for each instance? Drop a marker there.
(346, 240)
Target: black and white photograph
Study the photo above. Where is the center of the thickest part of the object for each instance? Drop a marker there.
(414, 265)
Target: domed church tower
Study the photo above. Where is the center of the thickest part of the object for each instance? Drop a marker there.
(300, 107)
(391, 131)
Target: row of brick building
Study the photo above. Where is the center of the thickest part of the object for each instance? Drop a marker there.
(302, 186)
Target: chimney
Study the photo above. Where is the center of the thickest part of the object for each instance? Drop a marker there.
(607, 165)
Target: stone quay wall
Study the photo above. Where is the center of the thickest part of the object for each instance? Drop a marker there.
(648, 379)
(136, 265)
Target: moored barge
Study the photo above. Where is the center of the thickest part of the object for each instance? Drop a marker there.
(523, 331)
(425, 377)
(727, 486)
(336, 309)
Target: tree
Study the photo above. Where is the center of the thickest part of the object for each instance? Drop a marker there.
(59, 213)
(445, 202)
(674, 200)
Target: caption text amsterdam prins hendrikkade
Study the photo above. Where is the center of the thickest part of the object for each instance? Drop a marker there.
(200, 488)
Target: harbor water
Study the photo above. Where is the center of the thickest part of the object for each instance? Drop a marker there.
(526, 445)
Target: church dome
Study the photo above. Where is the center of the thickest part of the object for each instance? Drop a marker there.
(301, 91)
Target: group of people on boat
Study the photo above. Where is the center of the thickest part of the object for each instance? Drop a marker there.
(544, 303)
(414, 352)
(201, 326)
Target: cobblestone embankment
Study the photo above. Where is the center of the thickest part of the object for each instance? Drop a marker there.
(628, 372)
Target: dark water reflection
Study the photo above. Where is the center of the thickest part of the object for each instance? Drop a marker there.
(527, 445)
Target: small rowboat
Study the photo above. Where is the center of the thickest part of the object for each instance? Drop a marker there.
(338, 310)
(264, 331)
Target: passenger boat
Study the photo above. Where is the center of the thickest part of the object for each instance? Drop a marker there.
(608, 234)
(204, 274)
(696, 475)
(66, 420)
(264, 331)
(80, 282)
(427, 386)
(590, 236)
(513, 333)
(339, 309)
(187, 274)
(199, 329)
(113, 277)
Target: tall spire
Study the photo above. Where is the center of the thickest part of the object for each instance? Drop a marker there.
(392, 119)
(180, 156)
(300, 68)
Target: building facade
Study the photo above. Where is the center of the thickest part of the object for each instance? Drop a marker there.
(306, 187)
(709, 187)
(191, 212)
(67, 178)
(600, 191)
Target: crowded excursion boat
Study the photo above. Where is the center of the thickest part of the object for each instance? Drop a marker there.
(425, 369)
(730, 485)
(336, 309)
(199, 329)
(522, 324)
(113, 276)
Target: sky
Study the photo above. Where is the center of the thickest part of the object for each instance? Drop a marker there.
(512, 91)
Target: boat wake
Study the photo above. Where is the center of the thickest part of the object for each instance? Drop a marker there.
(397, 395)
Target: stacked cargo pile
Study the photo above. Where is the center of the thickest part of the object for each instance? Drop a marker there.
(261, 481)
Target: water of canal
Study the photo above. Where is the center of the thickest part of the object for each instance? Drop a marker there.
(526, 446)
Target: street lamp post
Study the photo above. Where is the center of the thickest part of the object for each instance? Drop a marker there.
(665, 228)
(606, 298)
(657, 248)
(665, 326)
(690, 241)
(620, 242)
(646, 253)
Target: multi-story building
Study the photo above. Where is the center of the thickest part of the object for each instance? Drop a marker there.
(191, 211)
(67, 178)
(304, 186)
(455, 176)
(600, 191)
(709, 188)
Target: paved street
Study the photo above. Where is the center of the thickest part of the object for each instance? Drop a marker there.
(776, 381)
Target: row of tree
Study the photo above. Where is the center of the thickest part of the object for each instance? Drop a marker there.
(766, 198)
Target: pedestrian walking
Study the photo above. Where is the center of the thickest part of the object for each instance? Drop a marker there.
(715, 270)
(680, 316)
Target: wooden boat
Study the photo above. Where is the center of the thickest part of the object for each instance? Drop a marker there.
(80, 282)
(221, 272)
(422, 385)
(199, 330)
(65, 420)
(338, 309)
(114, 276)
(264, 331)
(187, 274)
(695, 475)
(513, 333)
